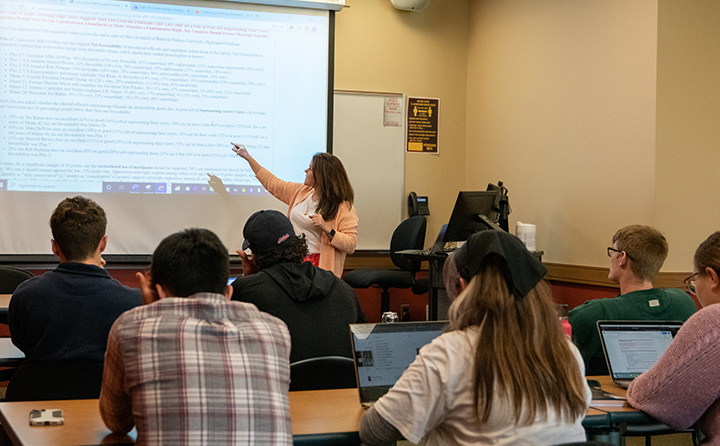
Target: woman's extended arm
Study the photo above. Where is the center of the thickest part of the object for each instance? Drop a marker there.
(243, 153)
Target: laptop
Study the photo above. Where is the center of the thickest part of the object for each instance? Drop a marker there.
(632, 347)
(439, 245)
(382, 352)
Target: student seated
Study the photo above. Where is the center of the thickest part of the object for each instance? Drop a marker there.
(316, 305)
(636, 256)
(192, 367)
(683, 387)
(503, 373)
(61, 319)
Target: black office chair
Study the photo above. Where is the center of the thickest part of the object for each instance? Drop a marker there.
(586, 443)
(650, 430)
(61, 380)
(410, 234)
(11, 277)
(321, 373)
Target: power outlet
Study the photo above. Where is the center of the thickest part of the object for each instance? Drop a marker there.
(405, 312)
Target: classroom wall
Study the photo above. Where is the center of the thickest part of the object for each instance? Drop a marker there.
(688, 130)
(424, 54)
(561, 107)
(595, 114)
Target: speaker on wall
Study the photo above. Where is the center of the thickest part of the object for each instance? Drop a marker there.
(410, 5)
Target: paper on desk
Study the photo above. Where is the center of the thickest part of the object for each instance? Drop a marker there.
(609, 403)
(603, 398)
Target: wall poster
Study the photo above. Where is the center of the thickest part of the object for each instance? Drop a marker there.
(422, 125)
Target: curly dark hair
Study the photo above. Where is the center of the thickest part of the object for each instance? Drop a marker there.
(294, 252)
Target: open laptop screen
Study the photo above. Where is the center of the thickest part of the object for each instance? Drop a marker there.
(382, 352)
(632, 347)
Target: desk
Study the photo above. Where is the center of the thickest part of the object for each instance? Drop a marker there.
(619, 414)
(4, 303)
(318, 417)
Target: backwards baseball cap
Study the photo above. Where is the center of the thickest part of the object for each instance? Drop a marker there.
(267, 231)
(522, 270)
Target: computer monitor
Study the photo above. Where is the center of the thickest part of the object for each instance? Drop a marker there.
(473, 212)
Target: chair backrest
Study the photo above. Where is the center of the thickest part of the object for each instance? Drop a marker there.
(11, 277)
(410, 234)
(61, 380)
(324, 372)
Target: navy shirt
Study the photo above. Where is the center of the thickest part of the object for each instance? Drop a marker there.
(66, 314)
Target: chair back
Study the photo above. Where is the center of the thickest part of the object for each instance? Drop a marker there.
(410, 234)
(61, 380)
(11, 277)
(324, 372)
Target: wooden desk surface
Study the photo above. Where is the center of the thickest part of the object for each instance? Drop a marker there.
(607, 385)
(325, 411)
(5, 301)
(83, 425)
(312, 412)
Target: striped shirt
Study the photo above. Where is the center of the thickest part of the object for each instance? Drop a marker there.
(199, 370)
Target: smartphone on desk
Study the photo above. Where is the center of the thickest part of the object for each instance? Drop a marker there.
(46, 417)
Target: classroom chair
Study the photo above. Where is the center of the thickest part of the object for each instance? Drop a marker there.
(61, 380)
(410, 234)
(650, 430)
(586, 443)
(11, 277)
(321, 373)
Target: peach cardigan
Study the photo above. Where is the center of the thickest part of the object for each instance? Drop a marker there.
(332, 253)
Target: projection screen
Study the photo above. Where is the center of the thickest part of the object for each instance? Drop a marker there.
(134, 104)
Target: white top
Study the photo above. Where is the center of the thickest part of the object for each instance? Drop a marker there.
(433, 401)
(303, 224)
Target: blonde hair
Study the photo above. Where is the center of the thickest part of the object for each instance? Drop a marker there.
(646, 247)
(451, 277)
(522, 352)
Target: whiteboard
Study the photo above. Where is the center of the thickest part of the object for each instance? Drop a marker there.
(373, 155)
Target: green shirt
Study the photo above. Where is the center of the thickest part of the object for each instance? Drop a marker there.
(659, 304)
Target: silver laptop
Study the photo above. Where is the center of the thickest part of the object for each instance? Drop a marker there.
(632, 347)
(382, 352)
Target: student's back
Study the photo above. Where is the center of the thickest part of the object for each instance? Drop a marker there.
(66, 314)
(61, 319)
(503, 374)
(636, 256)
(656, 304)
(316, 306)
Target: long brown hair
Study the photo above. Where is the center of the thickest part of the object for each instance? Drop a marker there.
(332, 182)
(522, 353)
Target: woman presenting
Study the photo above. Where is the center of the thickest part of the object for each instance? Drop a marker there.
(321, 207)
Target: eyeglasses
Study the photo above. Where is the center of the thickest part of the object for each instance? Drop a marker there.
(611, 250)
(689, 282)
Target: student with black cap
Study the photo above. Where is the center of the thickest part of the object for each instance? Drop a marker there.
(316, 305)
(504, 373)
